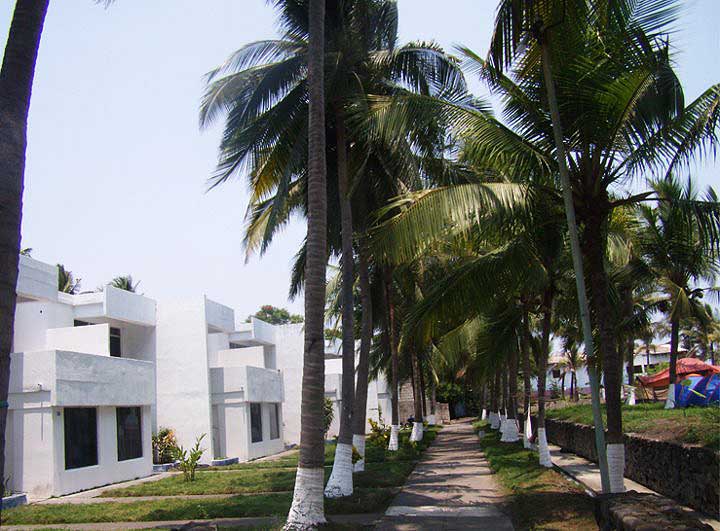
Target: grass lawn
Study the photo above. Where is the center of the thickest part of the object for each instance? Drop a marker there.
(248, 481)
(274, 504)
(540, 498)
(259, 489)
(694, 425)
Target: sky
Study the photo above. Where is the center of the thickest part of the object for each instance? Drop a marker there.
(117, 168)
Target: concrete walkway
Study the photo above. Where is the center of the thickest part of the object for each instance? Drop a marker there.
(452, 487)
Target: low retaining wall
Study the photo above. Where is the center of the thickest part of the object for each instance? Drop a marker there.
(688, 474)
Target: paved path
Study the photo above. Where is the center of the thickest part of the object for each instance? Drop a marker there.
(452, 487)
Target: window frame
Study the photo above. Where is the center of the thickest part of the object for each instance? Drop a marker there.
(274, 421)
(115, 333)
(94, 460)
(128, 446)
(253, 430)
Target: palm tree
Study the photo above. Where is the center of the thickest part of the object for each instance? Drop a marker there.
(67, 283)
(307, 509)
(679, 257)
(617, 111)
(16, 80)
(124, 282)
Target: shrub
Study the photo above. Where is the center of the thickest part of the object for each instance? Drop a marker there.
(189, 461)
(164, 444)
(328, 415)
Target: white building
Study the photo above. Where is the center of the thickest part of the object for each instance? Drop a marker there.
(82, 386)
(216, 380)
(94, 375)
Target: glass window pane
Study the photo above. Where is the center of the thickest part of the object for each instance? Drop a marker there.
(256, 422)
(129, 433)
(115, 348)
(80, 426)
(274, 421)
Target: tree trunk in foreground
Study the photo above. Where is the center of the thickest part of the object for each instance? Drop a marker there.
(340, 482)
(366, 333)
(307, 510)
(16, 80)
(417, 431)
(568, 201)
(394, 361)
(527, 376)
(594, 248)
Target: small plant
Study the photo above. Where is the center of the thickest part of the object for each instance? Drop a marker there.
(328, 415)
(355, 455)
(164, 444)
(189, 461)
(379, 433)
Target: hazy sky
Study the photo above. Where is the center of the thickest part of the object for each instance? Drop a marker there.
(117, 166)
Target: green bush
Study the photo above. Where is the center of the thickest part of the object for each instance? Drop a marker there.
(164, 444)
(189, 460)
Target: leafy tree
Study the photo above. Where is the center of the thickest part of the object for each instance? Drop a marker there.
(277, 316)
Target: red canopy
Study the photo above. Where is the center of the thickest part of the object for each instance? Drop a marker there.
(684, 367)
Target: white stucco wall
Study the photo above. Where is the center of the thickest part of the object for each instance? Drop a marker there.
(183, 380)
(36, 280)
(92, 339)
(236, 357)
(33, 319)
(220, 318)
(109, 469)
(129, 307)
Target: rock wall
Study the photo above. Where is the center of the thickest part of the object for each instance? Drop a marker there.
(688, 474)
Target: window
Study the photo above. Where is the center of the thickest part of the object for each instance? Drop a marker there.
(129, 433)
(256, 422)
(115, 342)
(274, 421)
(556, 373)
(77, 322)
(80, 426)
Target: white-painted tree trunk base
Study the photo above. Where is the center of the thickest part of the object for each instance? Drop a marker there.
(616, 467)
(307, 509)
(527, 432)
(359, 444)
(340, 483)
(417, 432)
(670, 402)
(394, 444)
(431, 420)
(543, 449)
(484, 415)
(511, 433)
(494, 420)
(631, 397)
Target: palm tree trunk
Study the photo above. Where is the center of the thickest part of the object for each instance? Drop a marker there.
(307, 510)
(631, 361)
(423, 397)
(366, 333)
(417, 432)
(340, 482)
(511, 428)
(674, 337)
(612, 362)
(394, 361)
(543, 450)
(562, 386)
(16, 80)
(494, 399)
(527, 377)
(577, 258)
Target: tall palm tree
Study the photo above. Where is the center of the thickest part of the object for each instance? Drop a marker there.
(679, 258)
(307, 510)
(16, 80)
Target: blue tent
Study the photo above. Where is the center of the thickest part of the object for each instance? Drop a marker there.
(707, 386)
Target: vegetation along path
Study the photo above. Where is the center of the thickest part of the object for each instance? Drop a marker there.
(452, 487)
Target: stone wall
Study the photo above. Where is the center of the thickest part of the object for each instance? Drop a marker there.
(688, 474)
